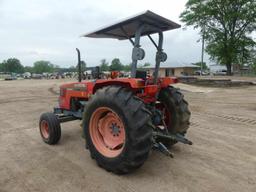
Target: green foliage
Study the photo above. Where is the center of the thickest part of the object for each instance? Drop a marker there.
(116, 65)
(43, 67)
(12, 65)
(56, 68)
(83, 66)
(141, 67)
(127, 67)
(205, 67)
(28, 69)
(146, 64)
(1, 67)
(71, 69)
(225, 25)
(252, 62)
(253, 67)
(104, 65)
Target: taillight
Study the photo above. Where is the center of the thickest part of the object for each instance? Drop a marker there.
(140, 83)
(175, 80)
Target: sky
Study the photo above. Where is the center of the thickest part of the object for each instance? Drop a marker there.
(33, 30)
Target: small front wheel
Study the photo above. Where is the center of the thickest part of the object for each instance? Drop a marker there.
(49, 127)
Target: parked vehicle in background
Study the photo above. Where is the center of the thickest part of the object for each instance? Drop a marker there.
(220, 72)
(3, 75)
(36, 76)
(10, 76)
(26, 75)
(204, 73)
(218, 69)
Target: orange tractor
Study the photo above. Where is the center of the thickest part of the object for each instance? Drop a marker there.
(123, 119)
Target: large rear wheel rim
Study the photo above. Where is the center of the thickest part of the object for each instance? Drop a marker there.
(107, 132)
(44, 128)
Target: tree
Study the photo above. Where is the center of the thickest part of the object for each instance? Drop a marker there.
(127, 67)
(43, 67)
(12, 65)
(28, 69)
(1, 67)
(142, 67)
(83, 66)
(225, 25)
(58, 69)
(116, 65)
(146, 64)
(252, 62)
(72, 69)
(104, 65)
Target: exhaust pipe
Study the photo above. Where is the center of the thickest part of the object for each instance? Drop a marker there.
(79, 65)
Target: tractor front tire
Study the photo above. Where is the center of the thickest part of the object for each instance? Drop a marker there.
(118, 129)
(173, 100)
(50, 129)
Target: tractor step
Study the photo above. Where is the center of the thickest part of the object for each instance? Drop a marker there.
(67, 115)
(63, 118)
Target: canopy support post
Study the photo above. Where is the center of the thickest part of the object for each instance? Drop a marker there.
(159, 54)
(136, 45)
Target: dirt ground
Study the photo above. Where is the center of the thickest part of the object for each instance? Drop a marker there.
(223, 157)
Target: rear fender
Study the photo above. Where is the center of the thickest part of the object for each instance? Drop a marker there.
(133, 84)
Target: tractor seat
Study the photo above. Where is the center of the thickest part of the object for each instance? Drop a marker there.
(141, 74)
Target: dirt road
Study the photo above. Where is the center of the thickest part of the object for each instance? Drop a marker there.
(223, 157)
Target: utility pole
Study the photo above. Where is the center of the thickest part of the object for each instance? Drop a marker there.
(203, 33)
(202, 53)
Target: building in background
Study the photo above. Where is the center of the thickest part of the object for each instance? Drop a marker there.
(174, 69)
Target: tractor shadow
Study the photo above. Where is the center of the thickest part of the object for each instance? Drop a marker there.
(71, 133)
(158, 165)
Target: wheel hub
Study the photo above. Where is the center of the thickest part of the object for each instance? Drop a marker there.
(115, 129)
(44, 128)
(107, 132)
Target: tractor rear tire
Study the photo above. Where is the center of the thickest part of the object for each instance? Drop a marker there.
(174, 101)
(50, 129)
(120, 112)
